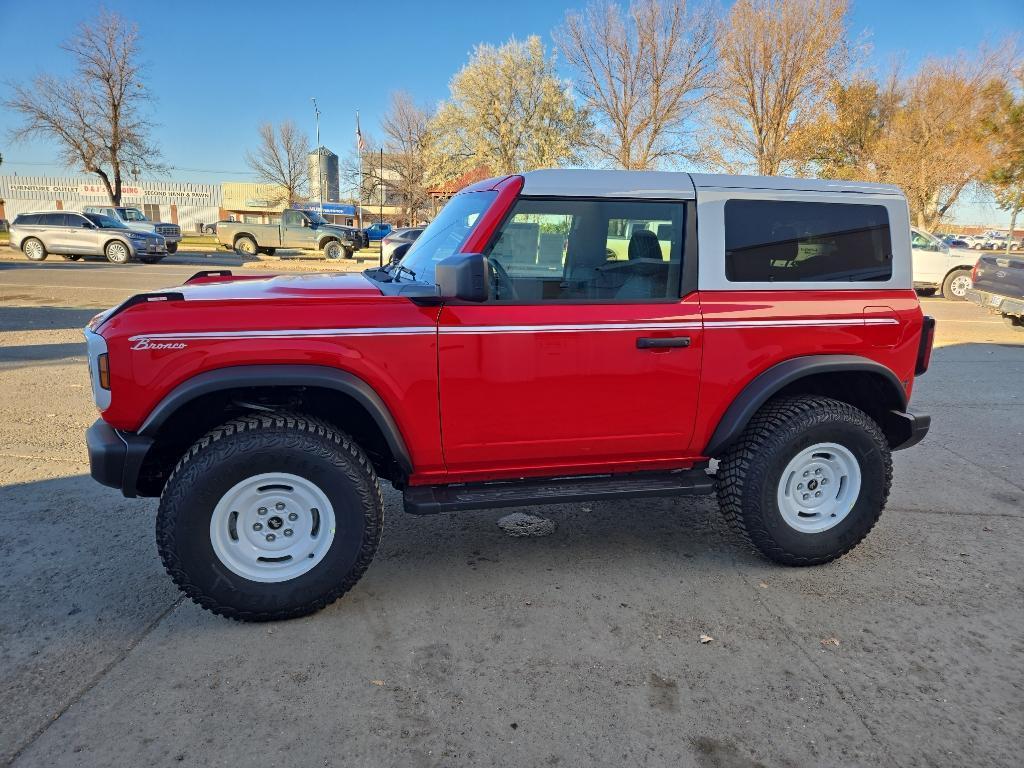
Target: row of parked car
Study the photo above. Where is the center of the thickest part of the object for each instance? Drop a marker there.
(989, 241)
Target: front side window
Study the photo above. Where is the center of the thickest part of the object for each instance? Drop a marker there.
(291, 219)
(925, 242)
(445, 235)
(588, 250)
(795, 241)
(132, 214)
(105, 222)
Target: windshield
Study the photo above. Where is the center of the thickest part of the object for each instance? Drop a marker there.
(132, 214)
(316, 218)
(104, 222)
(445, 235)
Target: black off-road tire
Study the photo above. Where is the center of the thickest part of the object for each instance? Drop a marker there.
(172, 247)
(749, 474)
(248, 446)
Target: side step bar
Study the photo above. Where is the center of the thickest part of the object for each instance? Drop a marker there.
(431, 499)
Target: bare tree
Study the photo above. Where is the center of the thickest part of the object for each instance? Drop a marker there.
(282, 159)
(1006, 127)
(777, 61)
(96, 116)
(641, 76)
(406, 127)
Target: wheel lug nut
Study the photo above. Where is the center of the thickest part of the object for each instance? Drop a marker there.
(261, 511)
(817, 494)
(807, 496)
(824, 481)
(271, 537)
(292, 516)
(257, 526)
(279, 506)
(799, 486)
(806, 473)
(287, 531)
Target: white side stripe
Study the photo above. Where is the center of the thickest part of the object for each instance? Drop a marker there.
(300, 333)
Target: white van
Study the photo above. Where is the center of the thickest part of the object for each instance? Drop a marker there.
(939, 267)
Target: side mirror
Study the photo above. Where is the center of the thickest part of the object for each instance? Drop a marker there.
(463, 276)
(398, 253)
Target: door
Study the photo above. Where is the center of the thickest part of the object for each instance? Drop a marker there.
(294, 230)
(585, 358)
(81, 234)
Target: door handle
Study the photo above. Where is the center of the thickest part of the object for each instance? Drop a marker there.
(647, 342)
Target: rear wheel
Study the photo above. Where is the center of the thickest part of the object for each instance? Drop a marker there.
(246, 246)
(34, 249)
(270, 517)
(956, 284)
(117, 252)
(807, 480)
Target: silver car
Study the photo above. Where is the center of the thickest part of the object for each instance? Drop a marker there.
(75, 235)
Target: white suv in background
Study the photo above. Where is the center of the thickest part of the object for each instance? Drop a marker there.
(937, 267)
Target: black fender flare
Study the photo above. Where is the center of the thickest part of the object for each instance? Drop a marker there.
(242, 376)
(767, 383)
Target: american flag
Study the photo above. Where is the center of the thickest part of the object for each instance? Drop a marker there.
(360, 143)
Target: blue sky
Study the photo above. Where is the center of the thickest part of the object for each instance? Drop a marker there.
(220, 68)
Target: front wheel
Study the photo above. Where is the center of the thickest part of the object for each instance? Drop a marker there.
(333, 250)
(956, 284)
(807, 480)
(117, 252)
(270, 516)
(172, 247)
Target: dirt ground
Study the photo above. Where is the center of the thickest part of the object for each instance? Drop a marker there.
(465, 646)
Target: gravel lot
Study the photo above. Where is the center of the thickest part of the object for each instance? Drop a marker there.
(465, 646)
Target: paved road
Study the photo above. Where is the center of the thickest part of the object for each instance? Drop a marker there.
(462, 646)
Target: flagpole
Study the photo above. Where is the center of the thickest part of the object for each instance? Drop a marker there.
(359, 172)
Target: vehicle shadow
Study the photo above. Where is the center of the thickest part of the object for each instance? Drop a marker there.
(43, 318)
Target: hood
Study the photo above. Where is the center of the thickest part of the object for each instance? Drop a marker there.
(280, 287)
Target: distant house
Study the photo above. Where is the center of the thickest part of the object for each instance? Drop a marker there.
(440, 194)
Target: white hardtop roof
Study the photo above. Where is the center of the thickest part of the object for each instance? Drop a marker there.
(674, 184)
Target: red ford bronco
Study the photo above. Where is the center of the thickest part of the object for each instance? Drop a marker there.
(551, 337)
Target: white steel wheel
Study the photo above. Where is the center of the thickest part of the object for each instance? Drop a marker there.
(958, 285)
(272, 527)
(819, 487)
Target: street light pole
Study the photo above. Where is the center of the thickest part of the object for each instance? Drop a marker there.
(319, 159)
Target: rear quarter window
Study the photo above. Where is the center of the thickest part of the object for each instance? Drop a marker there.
(26, 220)
(794, 241)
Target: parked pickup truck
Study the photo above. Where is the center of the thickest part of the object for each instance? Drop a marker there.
(507, 360)
(306, 230)
(135, 219)
(997, 283)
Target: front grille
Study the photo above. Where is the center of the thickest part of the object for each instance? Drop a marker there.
(168, 230)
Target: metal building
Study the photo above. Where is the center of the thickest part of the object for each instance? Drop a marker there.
(323, 170)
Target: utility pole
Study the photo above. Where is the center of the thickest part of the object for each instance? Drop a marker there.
(319, 159)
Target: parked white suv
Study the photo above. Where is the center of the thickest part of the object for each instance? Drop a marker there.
(135, 219)
(939, 267)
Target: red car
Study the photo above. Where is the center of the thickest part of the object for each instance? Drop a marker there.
(551, 337)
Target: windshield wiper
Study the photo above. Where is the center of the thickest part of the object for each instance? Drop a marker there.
(399, 269)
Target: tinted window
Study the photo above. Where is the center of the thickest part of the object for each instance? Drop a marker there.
(782, 241)
(52, 219)
(572, 250)
(105, 222)
(27, 219)
(73, 220)
(291, 219)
